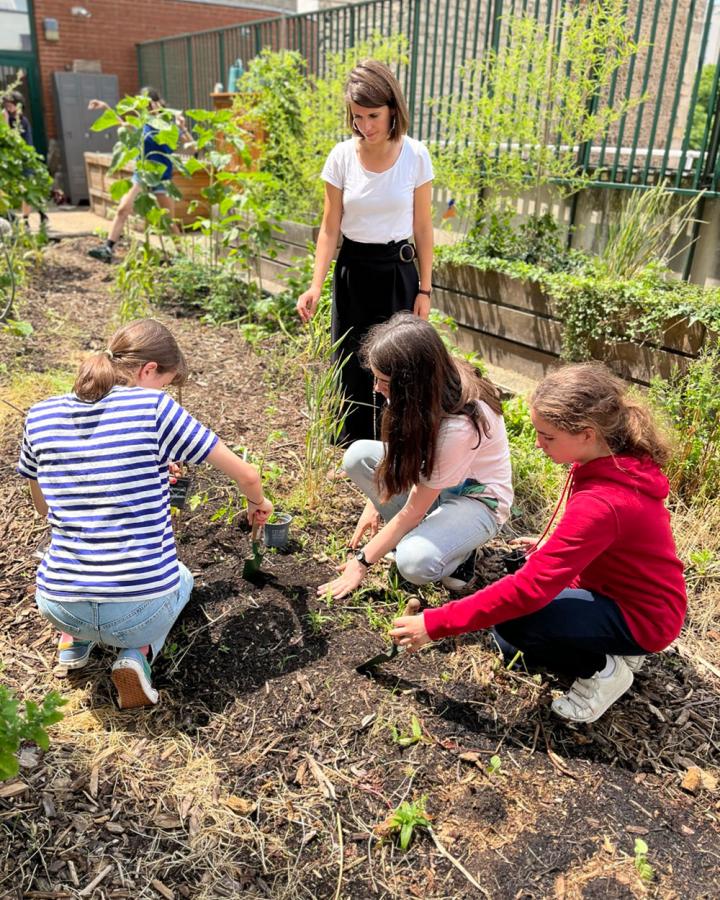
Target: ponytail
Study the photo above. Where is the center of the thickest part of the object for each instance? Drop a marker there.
(588, 395)
(129, 350)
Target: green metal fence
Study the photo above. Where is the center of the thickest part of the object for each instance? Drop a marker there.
(650, 143)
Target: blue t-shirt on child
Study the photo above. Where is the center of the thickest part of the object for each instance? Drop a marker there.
(157, 153)
(103, 470)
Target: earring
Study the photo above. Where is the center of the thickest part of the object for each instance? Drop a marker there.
(392, 126)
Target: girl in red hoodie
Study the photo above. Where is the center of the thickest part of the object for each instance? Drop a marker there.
(607, 587)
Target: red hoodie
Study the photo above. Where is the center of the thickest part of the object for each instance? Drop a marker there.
(614, 538)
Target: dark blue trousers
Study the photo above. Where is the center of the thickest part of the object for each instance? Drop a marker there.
(572, 635)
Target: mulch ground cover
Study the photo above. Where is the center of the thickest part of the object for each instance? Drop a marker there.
(270, 766)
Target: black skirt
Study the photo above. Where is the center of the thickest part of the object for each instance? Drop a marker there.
(371, 283)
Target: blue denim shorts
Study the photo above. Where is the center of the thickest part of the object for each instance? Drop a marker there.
(125, 625)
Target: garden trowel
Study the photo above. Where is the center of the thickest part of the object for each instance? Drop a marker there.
(394, 649)
(252, 565)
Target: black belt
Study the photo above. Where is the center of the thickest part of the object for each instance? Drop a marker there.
(402, 251)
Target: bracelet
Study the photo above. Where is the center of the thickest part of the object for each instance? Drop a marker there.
(427, 293)
(254, 503)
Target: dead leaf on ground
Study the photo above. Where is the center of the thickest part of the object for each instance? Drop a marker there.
(240, 805)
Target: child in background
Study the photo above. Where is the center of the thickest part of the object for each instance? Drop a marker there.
(155, 152)
(97, 460)
(607, 587)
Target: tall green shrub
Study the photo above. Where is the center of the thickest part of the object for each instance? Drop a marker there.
(526, 107)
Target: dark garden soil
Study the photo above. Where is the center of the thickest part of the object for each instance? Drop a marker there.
(270, 766)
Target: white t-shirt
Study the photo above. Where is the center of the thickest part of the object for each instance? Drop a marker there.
(378, 206)
(458, 457)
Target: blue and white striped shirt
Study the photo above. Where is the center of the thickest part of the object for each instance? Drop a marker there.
(103, 470)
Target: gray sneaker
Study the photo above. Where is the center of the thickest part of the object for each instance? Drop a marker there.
(103, 252)
(463, 576)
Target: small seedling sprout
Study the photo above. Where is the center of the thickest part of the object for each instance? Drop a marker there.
(406, 818)
(643, 867)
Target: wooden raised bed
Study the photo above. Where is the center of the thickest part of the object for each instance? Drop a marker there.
(515, 324)
(99, 181)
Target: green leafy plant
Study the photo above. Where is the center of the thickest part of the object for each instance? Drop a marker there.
(642, 866)
(520, 116)
(136, 280)
(494, 766)
(536, 478)
(324, 402)
(23, 175)
(414, 736)
(28, 725)
(646, 232)
(690, 402)
(408, 817)
(317, 621)
(132, 116)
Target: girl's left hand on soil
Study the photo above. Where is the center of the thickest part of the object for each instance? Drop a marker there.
(352, 575)
(409, 631)
(259, 515)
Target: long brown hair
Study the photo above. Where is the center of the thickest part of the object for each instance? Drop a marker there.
(139, 342)
(588, 395)
(372, 84)
(426, 385)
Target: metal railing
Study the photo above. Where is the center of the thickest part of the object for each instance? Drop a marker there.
(650, 143)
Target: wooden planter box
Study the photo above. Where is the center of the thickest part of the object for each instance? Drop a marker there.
(102, 204)
(514, 323)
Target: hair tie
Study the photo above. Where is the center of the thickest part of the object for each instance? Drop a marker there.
(109, 354)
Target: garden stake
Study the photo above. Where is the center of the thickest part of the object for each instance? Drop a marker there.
(394, 649)
(252, 565)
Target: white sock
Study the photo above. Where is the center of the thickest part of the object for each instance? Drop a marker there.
(608, 669)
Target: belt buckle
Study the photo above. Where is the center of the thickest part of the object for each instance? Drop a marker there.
(410, 249)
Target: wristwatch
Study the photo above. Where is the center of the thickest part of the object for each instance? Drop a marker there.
(427, 293)
(360, 557)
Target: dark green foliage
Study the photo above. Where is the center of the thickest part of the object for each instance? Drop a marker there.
(23, 176)
(691, 403)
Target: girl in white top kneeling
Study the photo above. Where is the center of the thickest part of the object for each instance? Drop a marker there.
(441, 476)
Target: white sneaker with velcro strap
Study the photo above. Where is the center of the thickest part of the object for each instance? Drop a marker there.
(590, 698)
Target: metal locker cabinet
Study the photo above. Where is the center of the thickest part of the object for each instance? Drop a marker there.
(73, 91)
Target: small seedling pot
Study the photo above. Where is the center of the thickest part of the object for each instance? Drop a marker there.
(514, 560)
(179, 491)
(277, 533)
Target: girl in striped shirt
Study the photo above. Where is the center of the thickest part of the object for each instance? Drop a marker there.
(98, 464)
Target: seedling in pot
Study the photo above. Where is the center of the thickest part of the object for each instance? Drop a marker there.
(179, 491)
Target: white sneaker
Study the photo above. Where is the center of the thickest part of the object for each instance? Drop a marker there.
(589, 698)
(634, 663)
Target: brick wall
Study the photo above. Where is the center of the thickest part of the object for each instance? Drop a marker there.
(112, 31)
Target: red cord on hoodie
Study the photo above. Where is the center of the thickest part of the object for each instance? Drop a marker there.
(614, 538)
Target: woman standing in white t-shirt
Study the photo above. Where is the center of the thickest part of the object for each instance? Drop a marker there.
(378, 195)
(441, 477)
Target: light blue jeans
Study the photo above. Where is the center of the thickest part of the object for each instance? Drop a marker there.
(122, 625)
(452, 529)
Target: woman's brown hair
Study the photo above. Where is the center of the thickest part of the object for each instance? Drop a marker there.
(372, 84)
(426, 385)
(588, 395)
(139, 342)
